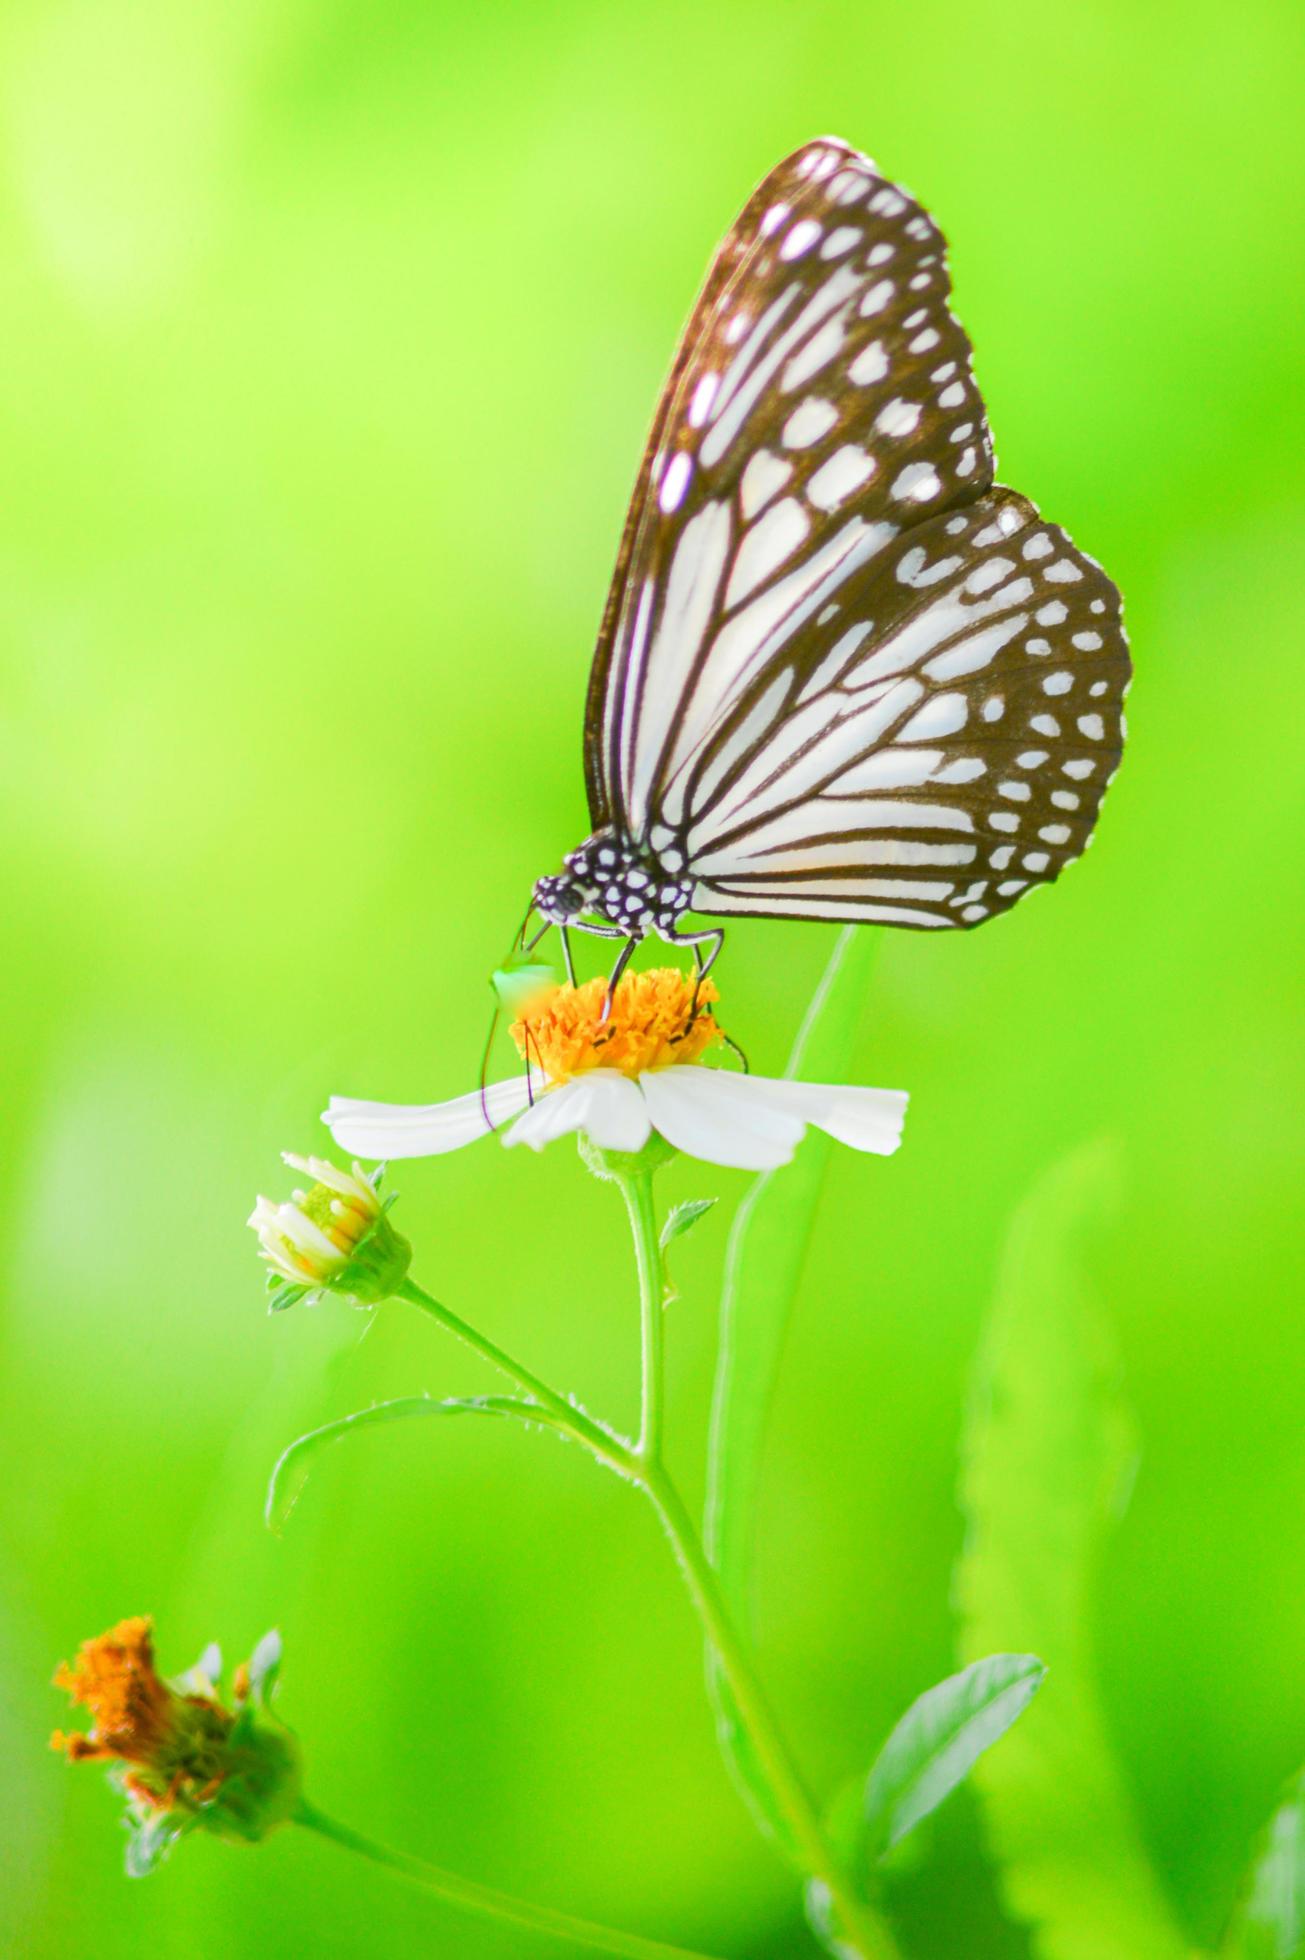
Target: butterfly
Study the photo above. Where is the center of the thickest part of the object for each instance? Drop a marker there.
(842, 674)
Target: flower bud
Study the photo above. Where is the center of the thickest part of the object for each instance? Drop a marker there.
(333, 1238)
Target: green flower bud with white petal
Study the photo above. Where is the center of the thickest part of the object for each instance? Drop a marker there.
(332, 1238)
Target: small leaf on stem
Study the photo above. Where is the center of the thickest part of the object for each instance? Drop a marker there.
(938, 1741)
(682, 1218)
(1269, 1924)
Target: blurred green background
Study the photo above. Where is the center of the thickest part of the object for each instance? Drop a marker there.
(331, 333)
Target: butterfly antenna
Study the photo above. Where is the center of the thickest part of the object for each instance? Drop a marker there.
(518, 942)
(530, 1041)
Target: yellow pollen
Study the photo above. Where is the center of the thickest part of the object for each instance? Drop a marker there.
(649, 1027)
(346, 1224)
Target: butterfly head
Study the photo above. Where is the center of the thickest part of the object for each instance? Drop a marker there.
(562, 897)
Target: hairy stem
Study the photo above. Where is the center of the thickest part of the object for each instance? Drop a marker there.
(485, 1902)
(865, 1931)
(638, 1195)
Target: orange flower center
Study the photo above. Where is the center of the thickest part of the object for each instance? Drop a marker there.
(175, 1742)
(651, 1025)
(115, 1677)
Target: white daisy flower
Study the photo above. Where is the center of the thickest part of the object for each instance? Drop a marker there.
(623, 1078)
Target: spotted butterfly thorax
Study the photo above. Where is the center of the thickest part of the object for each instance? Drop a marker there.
(841, 674)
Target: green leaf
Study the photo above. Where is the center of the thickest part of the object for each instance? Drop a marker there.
(939, 1740)
(764, 1263)
(682, 1218)
(1269, 1924)
(294, 1464)
(823, 1920)
(767, 1250)
(1048, 1462)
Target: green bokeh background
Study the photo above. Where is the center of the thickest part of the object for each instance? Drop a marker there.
(331, 333)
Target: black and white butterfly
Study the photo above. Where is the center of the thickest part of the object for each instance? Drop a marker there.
(842, 674)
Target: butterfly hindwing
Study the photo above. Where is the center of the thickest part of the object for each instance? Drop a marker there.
(941, 742)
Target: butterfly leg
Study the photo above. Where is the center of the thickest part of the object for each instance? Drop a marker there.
(703, 961)
(599, 932)
(622, 961)
(565, 937)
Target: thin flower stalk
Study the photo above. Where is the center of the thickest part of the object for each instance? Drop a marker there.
(642, 1465)
(865, 1930)
(485, 1902)
(186, 1761)
(638, 1195)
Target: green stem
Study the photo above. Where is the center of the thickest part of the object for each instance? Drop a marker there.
(577, 1424)
(864, 1929)
(486, 1903)
(638, 1195)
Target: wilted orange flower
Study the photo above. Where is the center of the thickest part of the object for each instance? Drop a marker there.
(183, 1760)
(175, 1743)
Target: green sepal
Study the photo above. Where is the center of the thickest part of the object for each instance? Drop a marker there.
(152, 1837)
(616, 1166)
(283, 1293)
(262, 1788)
(378, 1267)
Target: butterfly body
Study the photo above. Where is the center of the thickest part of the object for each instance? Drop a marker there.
(617, 878)
(842, 673)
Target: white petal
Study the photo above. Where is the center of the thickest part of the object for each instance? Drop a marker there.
(602, 1102)
(865, 1119)
(709, 1113)
(263, 1216)
(306, 1237)
(322, 1172)
(375, 1129)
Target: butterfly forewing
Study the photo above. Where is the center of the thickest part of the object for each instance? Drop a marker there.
(815, 392)
(830, 641)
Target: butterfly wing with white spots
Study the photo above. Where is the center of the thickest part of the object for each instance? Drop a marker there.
(941, 742)
(841, 674)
